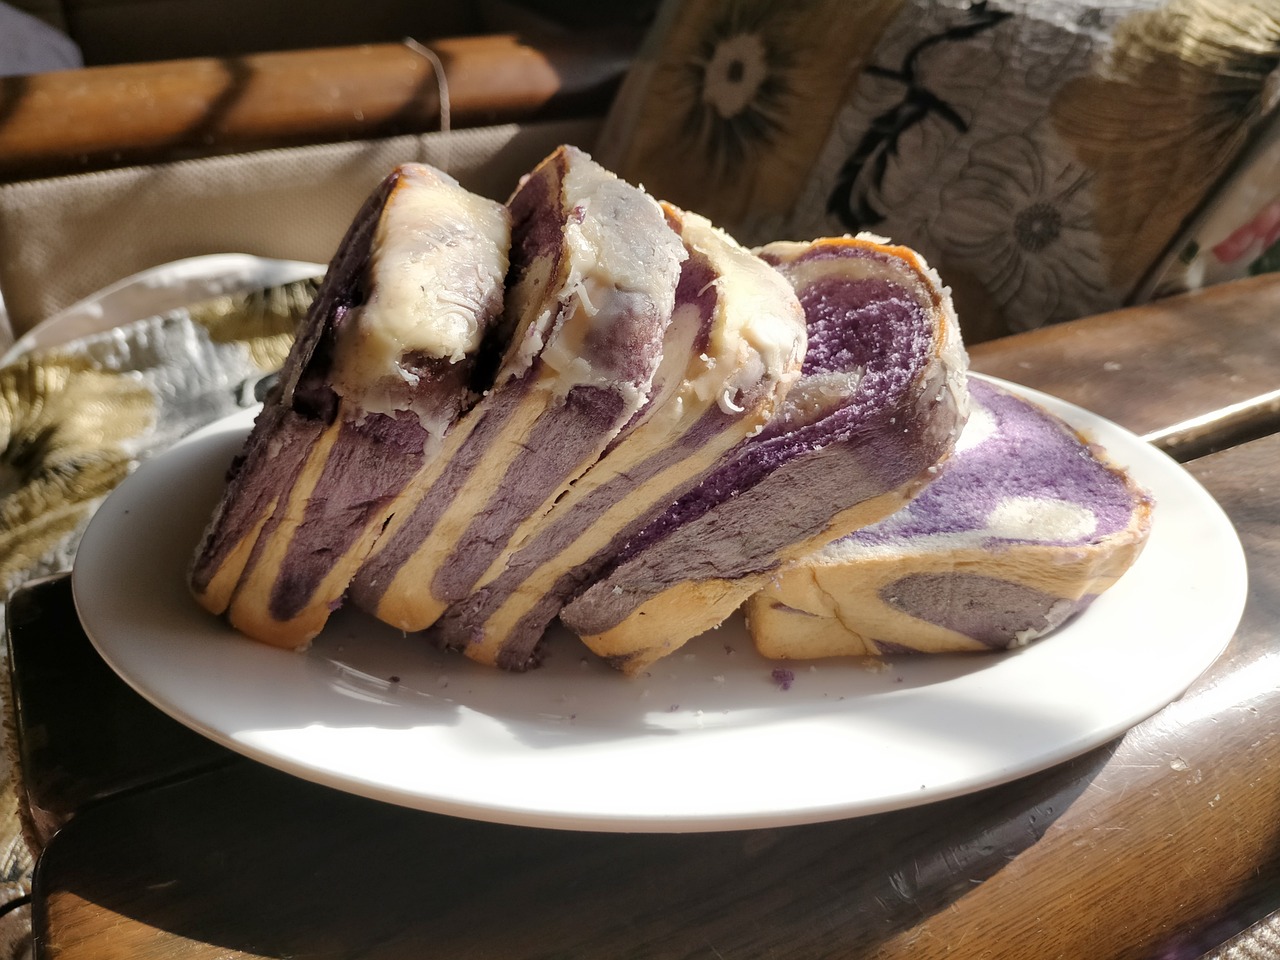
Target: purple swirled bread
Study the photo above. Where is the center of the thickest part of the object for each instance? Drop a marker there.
(880, 401)
(1024, 526)
(380, 371)
(594, 269)
(734, 347)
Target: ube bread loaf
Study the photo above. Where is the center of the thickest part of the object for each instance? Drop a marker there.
(1024, 526)
(881, 399)
(381, 369)
(733, 348)
(594, 268)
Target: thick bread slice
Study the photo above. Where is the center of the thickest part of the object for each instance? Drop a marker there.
(381, 369)
(733, 349)
(881, 400)
(1025, 525)
(593, 280)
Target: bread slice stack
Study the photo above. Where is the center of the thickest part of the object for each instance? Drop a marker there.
(588, 405)
(1023, 528)
(881, 399)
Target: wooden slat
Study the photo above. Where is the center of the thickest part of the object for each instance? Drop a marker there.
(100, 117)
(1192, 373)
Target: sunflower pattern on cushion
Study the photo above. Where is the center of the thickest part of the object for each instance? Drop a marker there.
(1043, 156)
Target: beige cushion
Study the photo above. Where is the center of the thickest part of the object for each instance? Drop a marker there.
(65, 237)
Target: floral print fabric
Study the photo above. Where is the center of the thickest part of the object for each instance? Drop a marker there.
(729, 101)
(1042, 155)
(75, 419)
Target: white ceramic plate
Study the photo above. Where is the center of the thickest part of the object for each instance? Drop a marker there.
(710, 740)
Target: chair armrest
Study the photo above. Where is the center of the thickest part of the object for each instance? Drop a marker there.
(101, 117)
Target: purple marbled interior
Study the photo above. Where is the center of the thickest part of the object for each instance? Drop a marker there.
(537, 216)
(301, 406)
(369, 464)
(1030, 453)
(837, 345)
(628, 348)
(784, 486)
(988, 609)
(694, 288)
(740, 537)
(464, 622)
(871, 325)
(305, 377)
(260, 475)
(377, 572)
(553, 451)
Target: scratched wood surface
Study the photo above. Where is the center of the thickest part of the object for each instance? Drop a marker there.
(1162, 843)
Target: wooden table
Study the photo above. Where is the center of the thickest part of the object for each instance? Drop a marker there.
(1163, 843)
